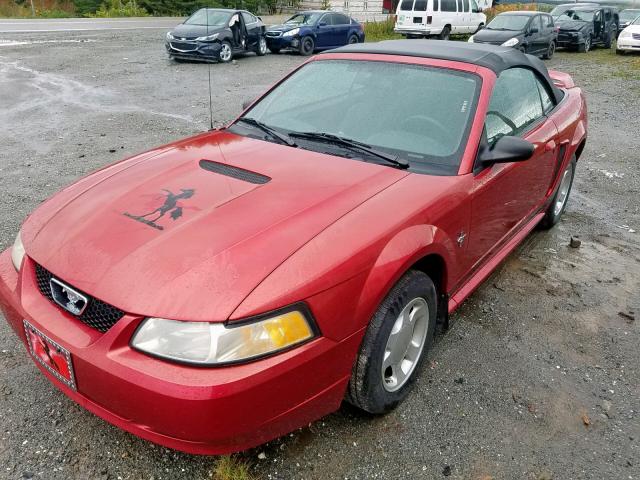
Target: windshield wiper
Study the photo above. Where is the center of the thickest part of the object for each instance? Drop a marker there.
(272, 132)
(354, 145)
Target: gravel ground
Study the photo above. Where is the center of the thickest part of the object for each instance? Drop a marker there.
(538, 377)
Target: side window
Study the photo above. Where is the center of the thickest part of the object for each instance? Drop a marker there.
(607, 15)
(326, 19)
(515, 104)
(448, 5)
(248, 18)
(466, 5)
(547, 103)
(548, 20)
(406, 5)
(537, 23)
(339, 19)
(474, 5)
(420, 6)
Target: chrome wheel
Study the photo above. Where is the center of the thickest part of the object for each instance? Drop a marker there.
(225, 52)
(587, 44)
(405, 344)
(262, 46)
(563, 192)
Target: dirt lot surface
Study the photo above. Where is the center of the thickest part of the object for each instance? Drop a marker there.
(538, 377)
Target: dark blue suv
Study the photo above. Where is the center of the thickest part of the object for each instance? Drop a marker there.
(315, 30)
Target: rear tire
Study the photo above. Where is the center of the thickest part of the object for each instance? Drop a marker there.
(445, 33)
(550, 51)
(405, 318)
(307, 46)
(608, 41)
(560, 199)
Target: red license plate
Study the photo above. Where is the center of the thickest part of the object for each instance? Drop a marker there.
(53, 357)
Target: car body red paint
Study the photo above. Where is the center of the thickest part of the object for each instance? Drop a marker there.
(336, 238)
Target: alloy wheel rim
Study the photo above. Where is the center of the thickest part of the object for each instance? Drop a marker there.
(263, 45)
(563, 192)
(353, 40)
(225, 52)
(405, 344)
(307, 45)
(587, 44)
(552, 49)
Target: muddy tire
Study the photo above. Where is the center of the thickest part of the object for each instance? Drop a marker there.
(395, 345)
(445, 33)
(559, 203)
(307, 46)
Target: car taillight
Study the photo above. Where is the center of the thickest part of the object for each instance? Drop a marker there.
(429, 19)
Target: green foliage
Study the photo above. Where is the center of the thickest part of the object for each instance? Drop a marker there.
(84, 7)
(377, 31)
(116, 8)
(232, 467)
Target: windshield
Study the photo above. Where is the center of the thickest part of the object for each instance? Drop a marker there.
(303, 19)
(419, 114)
(584, 15)
(216, 18)
(636, 21)
(628, 15)
(509, 22)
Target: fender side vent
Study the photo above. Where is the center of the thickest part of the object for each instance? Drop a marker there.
(234, 172)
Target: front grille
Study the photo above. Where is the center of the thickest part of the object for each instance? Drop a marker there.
(98, 315)
(183, 46)
(273, 34)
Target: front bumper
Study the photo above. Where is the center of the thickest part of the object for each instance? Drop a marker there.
(282, 43)
(417, 31)
(628, 44)
(570, 40)
(193, 50)
(193, 409)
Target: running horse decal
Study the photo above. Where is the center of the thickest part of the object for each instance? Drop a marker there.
(170, 206)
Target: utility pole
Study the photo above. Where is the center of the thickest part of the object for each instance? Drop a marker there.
(33, 10)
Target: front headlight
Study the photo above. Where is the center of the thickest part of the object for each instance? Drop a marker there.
(512, 42)
(169, 36)
(625, 34)
(291, 33)
(205, 343)
(208, 38)
(17, 252)
(470, 39)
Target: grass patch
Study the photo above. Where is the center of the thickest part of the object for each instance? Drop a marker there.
(377, 31)
(232, 467)
(623, 66)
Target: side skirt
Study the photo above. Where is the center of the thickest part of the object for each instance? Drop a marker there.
(483, 272)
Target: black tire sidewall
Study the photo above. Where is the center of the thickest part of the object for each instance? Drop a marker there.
(303, 41)
(366, 388)
(352, 37)
(550, 219)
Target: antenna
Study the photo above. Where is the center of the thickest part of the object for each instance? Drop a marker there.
(209, 74)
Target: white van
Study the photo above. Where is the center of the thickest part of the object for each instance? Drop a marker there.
(425, 18)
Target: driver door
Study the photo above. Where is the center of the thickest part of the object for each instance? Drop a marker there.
(324, 31)
(253, 29)
(505, 196)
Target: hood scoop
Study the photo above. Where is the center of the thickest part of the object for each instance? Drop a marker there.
(234, 172)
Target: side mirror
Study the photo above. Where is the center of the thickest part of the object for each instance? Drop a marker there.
(533, 30)
(507, 149)
(322, 24)
(247, 103)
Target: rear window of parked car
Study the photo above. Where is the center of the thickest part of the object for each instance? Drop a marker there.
(420, 6)
(406, 5)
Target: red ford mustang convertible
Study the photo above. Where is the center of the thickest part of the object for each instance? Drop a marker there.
(216, 293)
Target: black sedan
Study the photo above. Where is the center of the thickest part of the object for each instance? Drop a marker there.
(528, 31)
(217, 34)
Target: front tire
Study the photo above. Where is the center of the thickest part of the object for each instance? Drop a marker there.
(445, 33)
(261, 48)
(353, 39)
(395, 345)
(586, 46)
(307, 46)
(559, 203)
(225, 54)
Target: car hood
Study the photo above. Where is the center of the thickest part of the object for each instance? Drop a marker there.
(632, 29)
(223, 228)
(194, 31)
(283, 28)
(572, 25)
(492, 36)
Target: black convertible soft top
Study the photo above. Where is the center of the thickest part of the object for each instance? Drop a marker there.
(493, 57)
